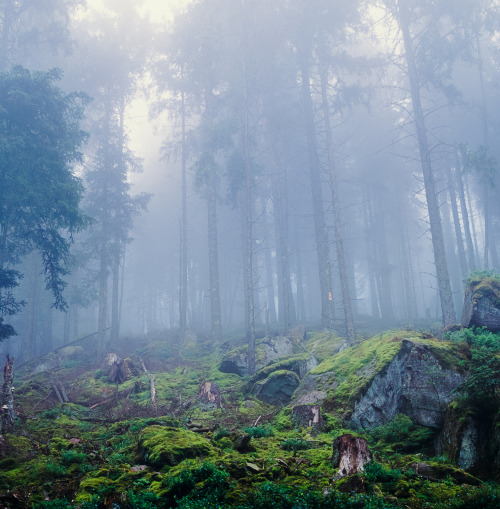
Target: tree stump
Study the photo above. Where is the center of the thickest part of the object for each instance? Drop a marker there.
(307, 416)
(350, 455)
(8, 413)
(210, 394)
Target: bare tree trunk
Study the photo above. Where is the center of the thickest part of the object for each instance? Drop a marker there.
(465, 218)
(183, 247)
(115, 295)
(337, 220)
(321, 234)
(456, 222)
(7, 407)
(443, 279)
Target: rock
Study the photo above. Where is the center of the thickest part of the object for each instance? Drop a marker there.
(268, 350)
(209, 393)
(299, 364)
(306, 416)
(482, 304)
(241, 442)
(438, 471)
(350, 455)
(163, 445)
(277, 388)
(414, 383)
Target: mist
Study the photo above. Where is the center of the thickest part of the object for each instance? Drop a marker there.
(253, 166)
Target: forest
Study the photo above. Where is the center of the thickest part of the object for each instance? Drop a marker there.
(188, 183)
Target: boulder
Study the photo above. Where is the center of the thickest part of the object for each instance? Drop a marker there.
(163, 445)
(267, 351)
(414, 383)
(350, 455)
(277, 388)
(482, 303)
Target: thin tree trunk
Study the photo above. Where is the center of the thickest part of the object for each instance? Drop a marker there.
(456, 222)
(321, 234)
(183, 246)
(337, 220)
(465, 218)
(443, 279)
(115, 295)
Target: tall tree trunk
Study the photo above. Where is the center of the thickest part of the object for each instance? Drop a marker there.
(321, 234)
(443, 279)
(183, 247)
(213, 260)
(337, 219)
(115, 294)
(465, 217)
(456, 222)
(280, 213)
(31, 326)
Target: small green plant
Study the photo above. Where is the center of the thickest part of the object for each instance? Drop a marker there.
(259, 431)
(72, 456)
(55, 469)
(220, 433)
(375, 472)
(296, 444)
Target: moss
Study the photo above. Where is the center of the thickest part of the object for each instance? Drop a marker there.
(323, 344)
(354, 368)
(169, 446)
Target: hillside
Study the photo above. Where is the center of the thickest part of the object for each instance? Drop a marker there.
(221, 439)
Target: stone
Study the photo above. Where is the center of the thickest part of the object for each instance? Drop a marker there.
(267, 351)
(277, 388)
(350, 455)
(414, 383)
(482, 304)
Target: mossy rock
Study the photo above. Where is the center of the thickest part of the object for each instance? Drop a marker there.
(161, 446)
(277, 388)
(482, 302)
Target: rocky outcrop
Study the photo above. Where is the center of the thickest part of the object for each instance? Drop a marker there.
(415, 383)
(471, 440)
(482, 304)
(268, 350)
(277, 388)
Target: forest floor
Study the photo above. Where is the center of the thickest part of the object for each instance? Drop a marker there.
(151, 440)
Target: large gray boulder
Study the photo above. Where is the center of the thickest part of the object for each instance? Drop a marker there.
(415, 383)
(277, 388)
(267, 351)
(482, 304)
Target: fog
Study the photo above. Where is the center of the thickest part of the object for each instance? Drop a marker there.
(252, 166)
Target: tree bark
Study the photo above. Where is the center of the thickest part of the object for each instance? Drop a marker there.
(337, 220)
(321, 234)
(8, 412)
(443, 279)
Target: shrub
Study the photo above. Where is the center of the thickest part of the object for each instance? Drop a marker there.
(259, 431)
(296, 444)
(375, 472)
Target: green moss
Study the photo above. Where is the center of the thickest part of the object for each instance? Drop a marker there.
(169, 446)
(323, 344)
(354, 368)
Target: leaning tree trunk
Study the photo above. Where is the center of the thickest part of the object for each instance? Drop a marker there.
(443, 278)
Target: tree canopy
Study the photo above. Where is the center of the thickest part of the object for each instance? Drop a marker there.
(40, 140)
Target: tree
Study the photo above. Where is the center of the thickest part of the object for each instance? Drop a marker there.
(40, 140)
(31, 30)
